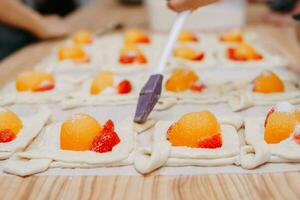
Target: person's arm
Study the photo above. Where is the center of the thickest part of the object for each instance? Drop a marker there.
(16, 14)
(181, 5)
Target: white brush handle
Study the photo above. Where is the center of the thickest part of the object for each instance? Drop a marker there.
(173, 36)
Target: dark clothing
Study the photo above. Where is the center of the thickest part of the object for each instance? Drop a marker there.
(282, 6)
(11, 38)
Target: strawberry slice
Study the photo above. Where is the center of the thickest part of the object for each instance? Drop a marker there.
(231, 53)
(45, 88)
(106, 140)
(258, 57)
(268, 115)
(125, 59)
(7, 135)
(198, 87)
(109, 126)
(199, 57)
(211, 142)
(144, 40)
(297, 138)
(124, 87)
(141, 59)
(195, 39)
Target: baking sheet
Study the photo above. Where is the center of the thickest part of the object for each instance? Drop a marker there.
(125, 112)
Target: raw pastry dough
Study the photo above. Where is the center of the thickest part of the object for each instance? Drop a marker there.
(64, 85)
(163, 154)
(52, 64)
(114, 43)
(45, 152)
(245, 98)
(31, 128)
(258, 152)
(269, 60)
(210, 95)
(209, 61)
(109, 96)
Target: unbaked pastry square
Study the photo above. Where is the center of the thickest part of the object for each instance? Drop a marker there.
(109, 96)
(204, 57)
(245, 98)
(209, 94)
(32, 126)
(46, 153)
(64, 85)
(257, 152)
(163, 154)
(268, 61)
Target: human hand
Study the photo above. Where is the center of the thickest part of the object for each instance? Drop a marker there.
(181, 5)
(51, 27)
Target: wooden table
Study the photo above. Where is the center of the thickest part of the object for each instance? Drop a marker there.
(254, 186)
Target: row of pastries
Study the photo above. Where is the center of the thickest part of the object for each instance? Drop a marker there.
(87, 71)
(196, 139)
(181, 86)
(138, 50)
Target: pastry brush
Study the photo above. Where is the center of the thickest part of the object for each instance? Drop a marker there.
(151, 91)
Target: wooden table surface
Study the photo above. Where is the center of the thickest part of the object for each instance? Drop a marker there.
(251, 186)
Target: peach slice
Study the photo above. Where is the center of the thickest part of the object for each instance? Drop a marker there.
(188, 53)
(193, 128)
(280, 122)
(136, 36)
(131, 54)
(268, 82)
(82, 37)
(233, 36)
(75, 53)
(102, 81)
(187, 36)
(243, 52)
(78, 132)
(10, 121)
(279, 126)
(35, 81)
(182, 79)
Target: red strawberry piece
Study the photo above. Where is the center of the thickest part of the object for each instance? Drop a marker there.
(45, 88)
(231, 53)
(258, 57)
(211, 142)
(268, 115)
(105, 141)
(109, 126)
(7, 135)
(195, 39)
(125, 59)
(144, 40)
(141, 59)
(297, 138)
(124, 87)
(198, 87)
(199, 57)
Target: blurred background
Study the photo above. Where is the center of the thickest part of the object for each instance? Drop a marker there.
(24, 22)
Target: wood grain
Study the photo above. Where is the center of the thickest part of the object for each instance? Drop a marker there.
(253, 186)
(268, 186)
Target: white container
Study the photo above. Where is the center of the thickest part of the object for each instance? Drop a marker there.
(224, 14)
